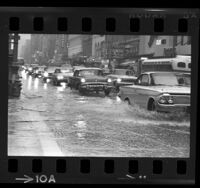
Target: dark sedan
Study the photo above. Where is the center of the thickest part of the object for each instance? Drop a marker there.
(90, 80)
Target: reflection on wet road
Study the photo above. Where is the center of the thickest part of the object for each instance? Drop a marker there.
(56, 121)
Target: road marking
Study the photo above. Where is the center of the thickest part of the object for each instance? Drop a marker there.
(26, 179)
(46, 137)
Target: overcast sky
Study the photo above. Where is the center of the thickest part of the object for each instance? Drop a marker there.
(23, 38)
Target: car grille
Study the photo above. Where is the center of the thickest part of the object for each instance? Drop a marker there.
(128, 80)
(181, 99)
(94, 85)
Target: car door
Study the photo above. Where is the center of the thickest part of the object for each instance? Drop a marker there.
(141, 90)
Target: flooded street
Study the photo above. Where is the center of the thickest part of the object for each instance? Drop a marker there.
(52, 120)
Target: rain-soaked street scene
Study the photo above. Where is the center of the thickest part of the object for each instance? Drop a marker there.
(99, 95)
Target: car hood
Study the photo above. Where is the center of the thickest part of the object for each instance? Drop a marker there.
(166, 89)
(95, 79)
(122, 76)
(64, 74)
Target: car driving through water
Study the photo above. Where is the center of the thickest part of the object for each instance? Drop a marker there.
(90, 79)
(122, 77)
(158, 91)
(49, 71)
(61, 75)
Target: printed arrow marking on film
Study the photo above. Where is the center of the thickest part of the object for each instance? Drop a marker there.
(26, 179)
(127, 177)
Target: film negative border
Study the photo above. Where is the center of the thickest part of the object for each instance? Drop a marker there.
(96, 170)
(97, 20)
(126, 21)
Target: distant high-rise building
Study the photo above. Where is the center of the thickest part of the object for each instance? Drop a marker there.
(87, 45)
(27, 51)
(98, 46)
(75, 47)
(61, 48)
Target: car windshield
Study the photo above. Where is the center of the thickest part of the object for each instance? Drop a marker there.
(57, 71)
(90, 72)
(66, 70)
(120, 71)
(41, 68)
(51, 69)
(165, 79)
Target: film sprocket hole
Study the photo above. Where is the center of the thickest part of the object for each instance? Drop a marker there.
(98, 95)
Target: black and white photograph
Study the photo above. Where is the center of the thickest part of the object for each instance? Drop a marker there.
(99, 95)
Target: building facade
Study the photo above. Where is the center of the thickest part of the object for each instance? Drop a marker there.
(98, 46)
(61, 48)
(27, 51)
(164, 46)
(74, 46)
(183, 45)
(87, 45)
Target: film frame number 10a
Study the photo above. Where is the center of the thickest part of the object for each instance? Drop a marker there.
(98, 95)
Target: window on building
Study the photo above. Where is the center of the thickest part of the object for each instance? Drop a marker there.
(189, 65)
(175, 40)
(189, 40)
(182, 40)
(163, 41)
(181, 64)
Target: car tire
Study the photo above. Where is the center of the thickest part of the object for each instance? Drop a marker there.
(80, 90)
(117, 89)
(151, 105)
(107, 92)
(70, 86)
(127, 101)
(55, 82)
(77, 87)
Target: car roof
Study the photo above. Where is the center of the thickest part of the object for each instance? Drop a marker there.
(123, 69)
(53, 67)
(152, 72)
(87, 68)
(65, 68)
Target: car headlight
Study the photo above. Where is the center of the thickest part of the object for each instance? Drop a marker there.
(30, 69)
(60, 77)
(46, 74)
(82, 80)
(119, 80)
(109, 80)
(170, 100)
(166, 99)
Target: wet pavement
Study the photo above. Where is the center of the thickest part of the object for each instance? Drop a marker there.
(52, 120)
